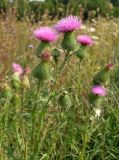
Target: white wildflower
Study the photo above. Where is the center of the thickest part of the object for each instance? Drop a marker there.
(97, 112)
(92, 29)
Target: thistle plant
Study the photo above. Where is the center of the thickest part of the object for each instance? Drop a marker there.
(67, 26)
(61, 56)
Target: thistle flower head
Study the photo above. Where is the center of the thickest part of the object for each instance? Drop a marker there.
(68, 24)
(98, 90)
(17, 68)
(46, 34)
(46, 56)
(85, 40)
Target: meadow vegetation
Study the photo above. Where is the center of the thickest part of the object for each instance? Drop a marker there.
(57, 8)
(36, 127)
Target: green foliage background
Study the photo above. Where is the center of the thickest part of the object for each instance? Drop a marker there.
(61, 7)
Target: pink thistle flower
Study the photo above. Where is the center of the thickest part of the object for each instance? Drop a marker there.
(98, 90)
(17, 68)
(68, 24)
(46, 34)
(85, 40)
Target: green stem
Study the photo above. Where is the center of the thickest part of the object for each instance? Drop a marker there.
(22, 99)
(33, 115)
(42, 114)
(84, 145)
(22, 124)
(57, 76)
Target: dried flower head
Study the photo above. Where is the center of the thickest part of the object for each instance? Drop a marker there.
(46, 34)
(27, 70)
(98, 90)
(68, 24)
(85, 40)
(46, 56)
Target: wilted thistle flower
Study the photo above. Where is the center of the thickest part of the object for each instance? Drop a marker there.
(17, 68)
(27, 70)
(67, 26)
(46, 56)
(108, 66)
(103, 75)
(116, 76)
(98, 90)
(85, 41)
(45, 35)
(43, 70)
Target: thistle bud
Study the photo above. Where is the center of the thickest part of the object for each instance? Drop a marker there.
(69, 42)
(15, 80)
(55, 55)
(6, 91)
(64, 100)
(103, 75)
(43, 70)
(81, 52)
(25, 82)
